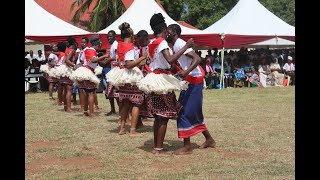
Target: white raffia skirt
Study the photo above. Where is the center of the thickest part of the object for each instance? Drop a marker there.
(45, 68)
(98, 70)
(63, 71)
(119, 77)
(84, 74)
(161, 83)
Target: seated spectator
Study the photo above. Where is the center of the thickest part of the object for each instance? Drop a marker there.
(40, 57)
(31, 56)
(265, 72)
(277, 77)
(209, 73)
(289, 69)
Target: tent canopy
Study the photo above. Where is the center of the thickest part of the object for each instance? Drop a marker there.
(139, 13)
(42, 26)
(250, 22)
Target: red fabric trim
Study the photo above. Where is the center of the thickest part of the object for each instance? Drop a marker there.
(161, 71)
(152, 46)
(195, 80)
(147, 68)
(60, 56)
(89, 53)
(123, 48)
(191, 132)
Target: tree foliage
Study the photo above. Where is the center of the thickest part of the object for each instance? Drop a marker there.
(203, 13)
(102, 15)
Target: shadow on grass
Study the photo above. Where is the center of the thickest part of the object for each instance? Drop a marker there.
(168, 145)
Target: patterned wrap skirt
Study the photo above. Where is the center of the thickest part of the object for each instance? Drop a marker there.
(164, 105)
(111, 91)
(51, 79)
(65, 80)
(86, 84)
(131, 93)
(191, 121)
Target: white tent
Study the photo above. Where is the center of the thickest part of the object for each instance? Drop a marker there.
(249, 22)
(42, 26)
(138, 16)
(39, 22)
(139, 13)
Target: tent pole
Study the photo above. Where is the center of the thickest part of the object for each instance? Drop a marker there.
(222, 68)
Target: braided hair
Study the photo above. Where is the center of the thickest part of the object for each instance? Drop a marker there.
(157, 23)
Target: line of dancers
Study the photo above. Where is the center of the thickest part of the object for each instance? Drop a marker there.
(142, 77)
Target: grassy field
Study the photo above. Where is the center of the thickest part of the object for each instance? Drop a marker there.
(254, 130)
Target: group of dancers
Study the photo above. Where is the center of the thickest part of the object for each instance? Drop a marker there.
(143, 78)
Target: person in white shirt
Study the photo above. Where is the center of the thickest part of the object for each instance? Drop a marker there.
(31, 56)
(52, 60)
(289, 69)
(110, 91)
(40, 57)
(191, 120)
(129, 94)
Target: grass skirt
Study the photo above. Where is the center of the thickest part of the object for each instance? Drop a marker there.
(84, 74)
(161, 84)
(119, 77)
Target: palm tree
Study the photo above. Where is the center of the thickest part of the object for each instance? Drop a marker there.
(103, 14)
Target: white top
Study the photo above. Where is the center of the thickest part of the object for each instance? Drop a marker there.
(288, 67)
(60, 62)
(158, 59)
(113, 49)
(53, 58)
(81, 56)
(184, 60)
(130, 55)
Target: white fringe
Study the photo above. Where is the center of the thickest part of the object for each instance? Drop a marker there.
(45, 68)
(119, 77)
(98, 70)
(64, 71)
(54, 73)
(82, 74)
(161, 83)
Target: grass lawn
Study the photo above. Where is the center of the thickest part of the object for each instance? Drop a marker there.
(254, 130)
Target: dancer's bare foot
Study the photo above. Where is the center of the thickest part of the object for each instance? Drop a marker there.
(208, 144)
(122, 131)
(184, 150)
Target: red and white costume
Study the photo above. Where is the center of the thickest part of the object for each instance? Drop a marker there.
(159, 85)
(84, 76)
(65, 71)
(119, 76)
(160, 80)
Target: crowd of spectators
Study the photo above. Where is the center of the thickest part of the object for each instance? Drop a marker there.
(249, 68)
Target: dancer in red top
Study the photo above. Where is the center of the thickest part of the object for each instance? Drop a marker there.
(129, 75)
(159, 85)
(85, 77)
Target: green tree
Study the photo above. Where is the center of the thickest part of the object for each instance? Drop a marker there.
(174, 8)
(203, 13)
(284, 9)
(103, 14)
